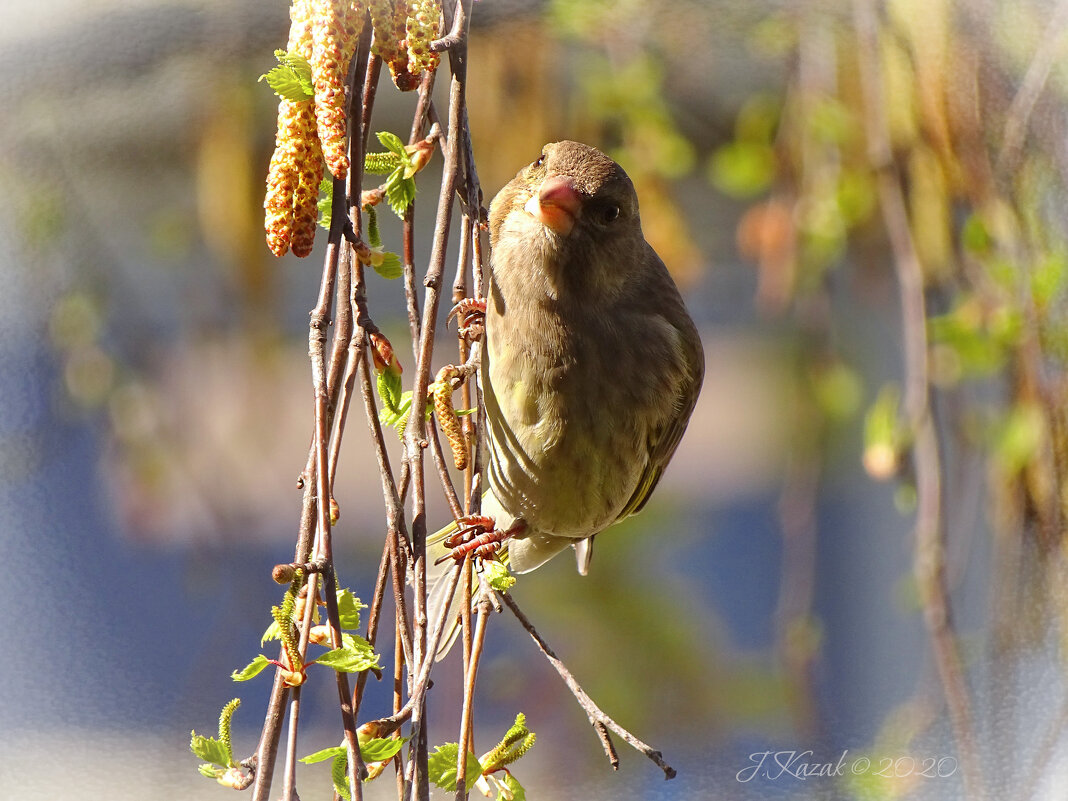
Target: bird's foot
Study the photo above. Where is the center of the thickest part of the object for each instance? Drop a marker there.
(470, 316)
(478, 535)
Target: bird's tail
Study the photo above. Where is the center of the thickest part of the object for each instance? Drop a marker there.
(437, 588)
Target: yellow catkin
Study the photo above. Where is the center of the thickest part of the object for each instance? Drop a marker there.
(388, 18)
(422, 25)
(306, 195)
(447, 418)
(296, 166)
(334, 34)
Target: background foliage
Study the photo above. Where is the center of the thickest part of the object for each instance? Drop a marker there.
(154, 387)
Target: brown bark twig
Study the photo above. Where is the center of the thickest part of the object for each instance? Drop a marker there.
(598, 719)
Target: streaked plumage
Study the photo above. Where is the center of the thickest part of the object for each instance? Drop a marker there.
(591, 365)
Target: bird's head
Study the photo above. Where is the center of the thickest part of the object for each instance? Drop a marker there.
(572, 212)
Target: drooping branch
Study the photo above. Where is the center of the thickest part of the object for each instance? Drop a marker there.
(929, 547)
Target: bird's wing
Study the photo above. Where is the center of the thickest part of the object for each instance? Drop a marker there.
(664, 439)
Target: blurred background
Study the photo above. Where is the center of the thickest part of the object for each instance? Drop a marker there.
(155, 395)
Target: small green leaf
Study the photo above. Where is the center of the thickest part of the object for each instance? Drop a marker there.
(390, 267)
(326, 202)
(389, 391)
(272, 633)
(251, 670)
(379, 749)
(339, 773)
(400, 191)
(348, 607)
(392, 143)
(441, 767)
(286, 84)
(354, 656)
(325, 754)
(514, 787)
(292, 78)
(210, 749)
(211, 771)
(498, 576)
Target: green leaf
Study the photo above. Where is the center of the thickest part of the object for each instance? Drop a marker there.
(286, 84)
(498, 576)
(441, 767)
(292, 78)
(210, 749)
(389, 391)
(252, 669)
(392, 143)
(379, 749)
(325, 754)
(348, 607)
(272, 633)
(326, 202)
(514, 787)
(354, 656)
(389, 267)
(211, 771)
(400, 191)
(339, 773)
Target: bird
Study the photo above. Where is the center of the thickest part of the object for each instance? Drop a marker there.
(591, 365)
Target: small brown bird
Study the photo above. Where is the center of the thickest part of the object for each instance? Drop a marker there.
(591, 365)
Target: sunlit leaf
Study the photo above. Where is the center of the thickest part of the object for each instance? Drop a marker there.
(252, 669)
(441, 767)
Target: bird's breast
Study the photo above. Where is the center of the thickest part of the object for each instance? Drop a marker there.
(566, 446)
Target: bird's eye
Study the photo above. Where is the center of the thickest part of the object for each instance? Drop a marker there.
(607, 213)
(540, 161)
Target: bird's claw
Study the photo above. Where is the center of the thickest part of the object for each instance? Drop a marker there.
(470, 316)
(477, 535)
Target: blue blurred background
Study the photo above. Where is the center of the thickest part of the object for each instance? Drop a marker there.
(155, 411)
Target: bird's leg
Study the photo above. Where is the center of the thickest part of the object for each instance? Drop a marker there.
(470, 316)
(478, 535)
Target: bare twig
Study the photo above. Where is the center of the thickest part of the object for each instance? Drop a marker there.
(415, 437)
(397, 540)
(598, 719)
(472, 661)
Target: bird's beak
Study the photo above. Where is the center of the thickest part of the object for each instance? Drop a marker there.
(556, 205)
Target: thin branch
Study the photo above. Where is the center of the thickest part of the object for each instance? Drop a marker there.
(928, 565)
(598, 719)
(1049, 51)
(289, 782)
(397, 532)
(416, 432)
(422, 675)
(472, 661)
(373, 619)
